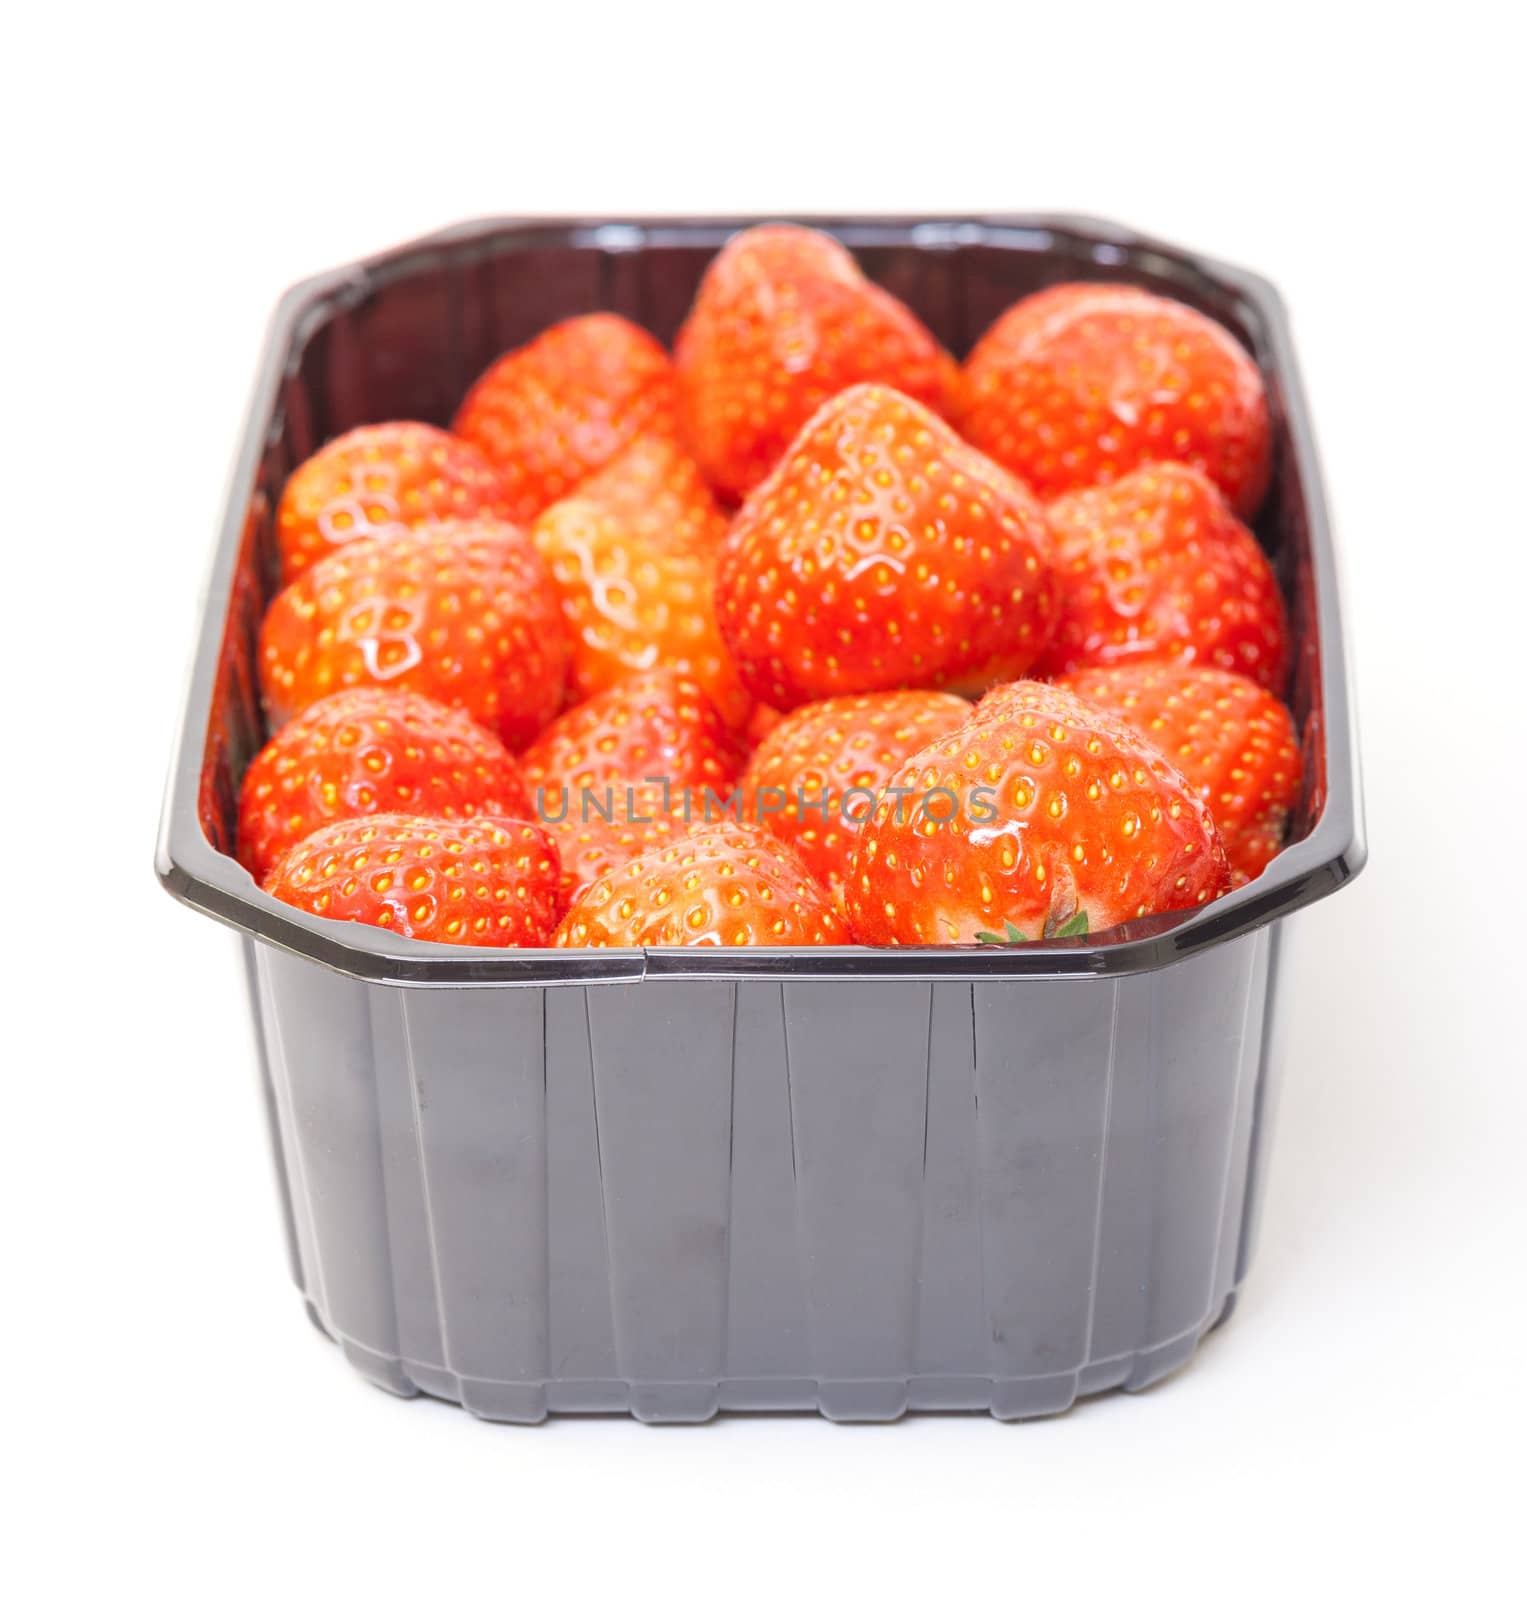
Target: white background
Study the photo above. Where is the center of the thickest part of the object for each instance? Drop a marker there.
(169, 1413)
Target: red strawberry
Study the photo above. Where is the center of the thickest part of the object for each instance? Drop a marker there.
(598, 771)
(590, 848)
(802, 780)
(1158, 567)
(363, 751)
(555, 410)
(487, 882)
(883, 553)
(783, 320)
(1042, 817)
(1025, 315)
(761, 724)
(1225, 734)
(463, 612)
(629, 606)
(725, 885)
(657, 494)
(1082, 383)
(377, 480)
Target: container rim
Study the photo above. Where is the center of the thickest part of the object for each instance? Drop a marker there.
(1333, 852)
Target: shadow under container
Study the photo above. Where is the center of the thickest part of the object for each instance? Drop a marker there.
(672, 1181)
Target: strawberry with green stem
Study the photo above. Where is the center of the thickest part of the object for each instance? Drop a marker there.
(1040, 811)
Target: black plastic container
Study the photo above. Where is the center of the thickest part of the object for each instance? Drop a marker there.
(666, 1181)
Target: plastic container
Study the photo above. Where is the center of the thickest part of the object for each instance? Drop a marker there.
(670, 1181)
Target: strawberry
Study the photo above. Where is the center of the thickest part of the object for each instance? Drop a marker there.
(883, 553)
(658, 495)
(555, 410)
(367, 750)
(1042, 817)
(782, 321)
(1158, 567)
(629, 607)
(1225, 734)
(614, 773)
(761, 724)
(463, 612)
(594, 844)
(377, 480)
(487, 882)
(729, 884)
(1025, 315)
(1080, 384)
(814, 778)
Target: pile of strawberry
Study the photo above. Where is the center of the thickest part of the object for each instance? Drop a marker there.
(804, 636)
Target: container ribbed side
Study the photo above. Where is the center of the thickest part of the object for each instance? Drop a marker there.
(1185, 1044)
(1045, 1065)
(475, 1062)
(323, 1064)
(668, 1198)
(857, 1069)
(768, 1334)
(662, 1067)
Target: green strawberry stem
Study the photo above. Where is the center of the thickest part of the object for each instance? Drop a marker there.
(1070, 929)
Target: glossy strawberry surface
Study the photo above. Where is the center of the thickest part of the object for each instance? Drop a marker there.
(490, 881)
(1042, 816)
(1080, 384)
(630, 605)
(813, 778)
(656, 492)
(464, 613)
(783, 320)
(557, 409)
(729, 885)
(1227, 735)
(626, 767)
(382, 479)
(1158, 567)
(363, 751)
(883, 553)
